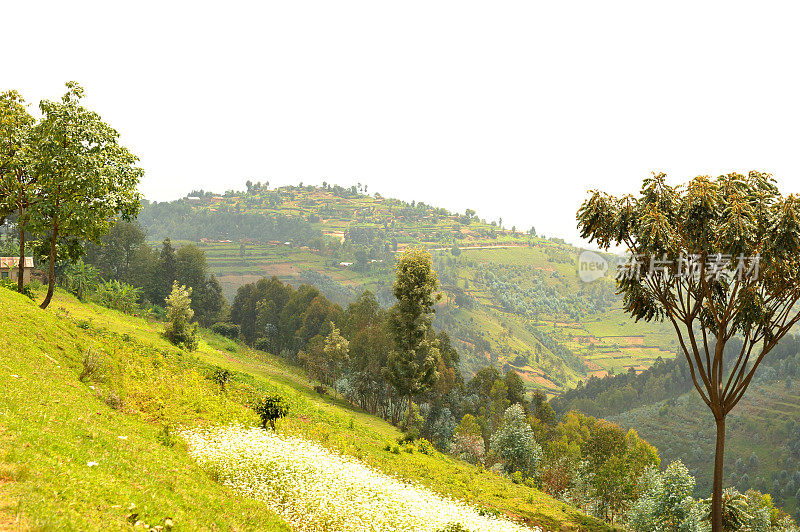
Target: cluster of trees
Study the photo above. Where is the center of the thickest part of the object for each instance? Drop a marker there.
(64, 179)
(180, 220)
(123, 255)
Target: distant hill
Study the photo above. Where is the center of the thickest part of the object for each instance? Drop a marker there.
(511, 297)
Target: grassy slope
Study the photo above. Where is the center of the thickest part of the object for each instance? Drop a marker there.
(53, 425)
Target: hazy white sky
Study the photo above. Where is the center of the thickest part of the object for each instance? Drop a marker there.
(514, 109)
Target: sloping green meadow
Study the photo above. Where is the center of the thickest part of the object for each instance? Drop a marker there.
(91, 402)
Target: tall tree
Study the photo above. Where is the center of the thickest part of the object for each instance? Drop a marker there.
(717, 258)
(412, 364)
(17, 181)
(167, 272)
(87, 179)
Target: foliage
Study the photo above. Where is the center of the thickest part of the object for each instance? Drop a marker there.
(228, 330)
(119, 296)
(514, 443)
(729, 264)
(412, 364)
(180, 331)
(665, 502)
(270, 408)
(80, 279)
(86, 179)
(11, 285)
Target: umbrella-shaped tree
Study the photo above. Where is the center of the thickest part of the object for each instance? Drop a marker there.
(717, 258)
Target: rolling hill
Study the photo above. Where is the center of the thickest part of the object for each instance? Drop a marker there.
(511, 298)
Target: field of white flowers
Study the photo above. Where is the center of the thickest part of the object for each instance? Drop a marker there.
(314, 489)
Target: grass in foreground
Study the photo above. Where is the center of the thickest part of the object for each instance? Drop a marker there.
(144, 390)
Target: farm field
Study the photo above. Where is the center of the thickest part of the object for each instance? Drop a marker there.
(508, 297)
(94, 410)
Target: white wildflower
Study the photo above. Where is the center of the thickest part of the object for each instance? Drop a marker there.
(315, 489)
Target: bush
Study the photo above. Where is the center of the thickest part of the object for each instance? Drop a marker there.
(80, 279)
(221, 376)
(453, 527)
(321, 389)
(424, 446)
(271, 408)
(409, 437)
(262, 344)
(92, 367)
(119, 296)
(12, 285)
(228, 330)
(180, 331)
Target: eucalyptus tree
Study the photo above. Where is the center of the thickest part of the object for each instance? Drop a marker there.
(716, 258)
(17, 182)
(412, 364)
(87, 180)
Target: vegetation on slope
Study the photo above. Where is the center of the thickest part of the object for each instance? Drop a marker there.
(511, 298)
(55, 424)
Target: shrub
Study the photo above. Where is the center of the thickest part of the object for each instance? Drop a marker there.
(92, 367)
(228, 330)
(166, 437)
(11, 285)
(80, 279)
(453, 527)
(321, 389)
(271, 408)
(262, 344)
(409, 436)
(180, 331)
(221, 376)
(114, 400)
(424, 446)
(119, 296)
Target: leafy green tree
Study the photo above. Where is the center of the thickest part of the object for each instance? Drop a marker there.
(17, 180)
(86, 179)
(514, 443)
(270, 409)
(716, 258)
(468, 443)
(115, 255)
(166, 274)
(412, 364)
(337, 350)
(665, 501)
(180, 330)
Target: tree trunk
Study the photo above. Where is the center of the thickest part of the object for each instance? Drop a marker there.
(21, 267)
(410, 414)
(51, 270)
(716, 500)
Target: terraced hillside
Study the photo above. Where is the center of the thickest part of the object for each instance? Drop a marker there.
(509, 297)
(94, 401)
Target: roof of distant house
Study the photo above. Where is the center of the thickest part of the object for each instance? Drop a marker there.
(12, 262)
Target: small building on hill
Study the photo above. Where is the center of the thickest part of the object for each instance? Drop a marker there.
(9, 268)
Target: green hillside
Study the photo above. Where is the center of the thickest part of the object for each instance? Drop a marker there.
(762, 450)
(93, 400)
(510, 297)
